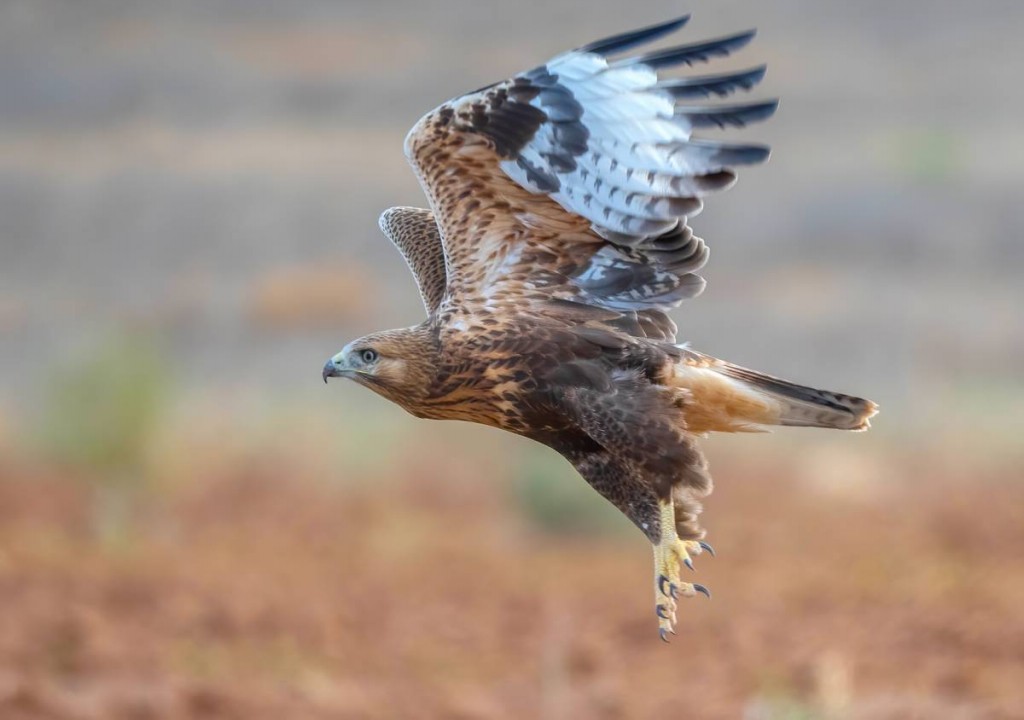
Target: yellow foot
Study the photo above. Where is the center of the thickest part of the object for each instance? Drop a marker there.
(670, 555)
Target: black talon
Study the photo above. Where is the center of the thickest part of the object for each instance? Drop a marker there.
(664, 635)
(674, 591)
(661, 584)
(688, 563)
(711, 550)
(702, 589)
(659, 610)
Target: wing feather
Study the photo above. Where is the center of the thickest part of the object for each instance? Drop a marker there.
(707, 85)
(633, 38)
(593, 159)
(415, 233)
(693, 53)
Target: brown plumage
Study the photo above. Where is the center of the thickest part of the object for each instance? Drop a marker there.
(555, 242)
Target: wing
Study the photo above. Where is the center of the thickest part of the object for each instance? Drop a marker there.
(573, 180)
(415, 234)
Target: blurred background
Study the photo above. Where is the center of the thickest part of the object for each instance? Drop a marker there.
(192, 525)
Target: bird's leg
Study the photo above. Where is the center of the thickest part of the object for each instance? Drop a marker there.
(670, 555)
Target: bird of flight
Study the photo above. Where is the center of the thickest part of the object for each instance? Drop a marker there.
(555, 242)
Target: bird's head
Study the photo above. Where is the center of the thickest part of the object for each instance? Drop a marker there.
(397, 364)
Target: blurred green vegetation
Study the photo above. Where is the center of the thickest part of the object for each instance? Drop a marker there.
(992, 405)
(102, 409)
(783, 708)
(554, 500)
(928, 155)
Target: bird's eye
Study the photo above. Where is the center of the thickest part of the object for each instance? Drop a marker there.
(368, 356)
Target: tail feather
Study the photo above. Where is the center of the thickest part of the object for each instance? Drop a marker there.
(806, 406)
(731, 398)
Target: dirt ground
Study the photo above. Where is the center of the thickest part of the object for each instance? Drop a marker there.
(262, 594)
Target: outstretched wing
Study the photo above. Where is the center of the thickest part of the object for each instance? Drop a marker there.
(575, 179)
(415, 234)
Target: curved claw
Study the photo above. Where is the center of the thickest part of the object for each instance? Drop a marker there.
(661, 585)
(663, 633)
(673, 590)
(688, 563)
(661, 612)
(706, 546)
(701, 589)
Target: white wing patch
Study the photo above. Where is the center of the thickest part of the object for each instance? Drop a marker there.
(617, 147)
(610, 140)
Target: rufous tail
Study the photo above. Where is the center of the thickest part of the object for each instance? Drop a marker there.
(730, 398)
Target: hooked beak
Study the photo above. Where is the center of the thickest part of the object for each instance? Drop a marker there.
(333, 369)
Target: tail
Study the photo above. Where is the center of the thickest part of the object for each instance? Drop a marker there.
(729, 398)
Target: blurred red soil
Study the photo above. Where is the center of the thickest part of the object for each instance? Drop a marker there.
(256, 596)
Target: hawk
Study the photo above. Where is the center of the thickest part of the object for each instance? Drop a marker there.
(555, 244)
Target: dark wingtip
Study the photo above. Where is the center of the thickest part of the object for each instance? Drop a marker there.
(627, 40)
(707, 85)
(752, 154)
(756, 74)
(723, 116)
(694, 52)
(724, 154)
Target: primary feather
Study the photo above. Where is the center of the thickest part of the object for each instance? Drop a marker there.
(607, 140)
